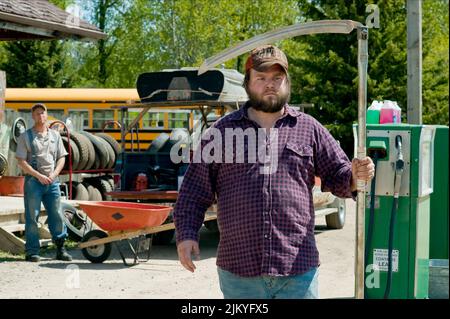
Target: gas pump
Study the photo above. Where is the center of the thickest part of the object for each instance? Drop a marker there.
(397, 211)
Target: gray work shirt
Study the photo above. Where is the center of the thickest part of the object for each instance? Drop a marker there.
(49, 149)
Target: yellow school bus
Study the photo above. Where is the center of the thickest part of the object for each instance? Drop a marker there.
(94, 105)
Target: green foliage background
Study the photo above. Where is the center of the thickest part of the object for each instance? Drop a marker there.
(150, 35)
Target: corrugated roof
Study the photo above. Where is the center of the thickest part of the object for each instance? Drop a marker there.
(41, 19)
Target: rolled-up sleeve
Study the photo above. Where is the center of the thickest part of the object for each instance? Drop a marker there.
(332, 165)
(197, 193)
(61, 150)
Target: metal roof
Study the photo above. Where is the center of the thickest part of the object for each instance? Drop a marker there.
(39, 19)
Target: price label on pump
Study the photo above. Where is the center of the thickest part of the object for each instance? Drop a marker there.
(381, 262)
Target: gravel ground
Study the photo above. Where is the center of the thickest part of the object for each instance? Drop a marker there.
(162, 276)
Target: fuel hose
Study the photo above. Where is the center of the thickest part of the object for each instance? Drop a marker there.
(399, 165)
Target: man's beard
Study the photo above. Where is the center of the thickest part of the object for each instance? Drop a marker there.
(271, 104)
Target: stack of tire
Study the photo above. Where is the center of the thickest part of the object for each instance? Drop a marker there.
(91, 152)
(3, 164)
(93, 188)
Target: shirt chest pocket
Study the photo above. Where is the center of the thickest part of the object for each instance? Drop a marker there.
(52, 147)
(301, 159)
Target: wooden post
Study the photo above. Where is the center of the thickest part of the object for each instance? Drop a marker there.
(2, 92)
(414, 45)
(4, 132)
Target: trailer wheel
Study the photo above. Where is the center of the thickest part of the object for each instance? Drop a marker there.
(98, 253)
(336, 220)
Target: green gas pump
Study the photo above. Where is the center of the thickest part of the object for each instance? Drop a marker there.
(397, 214)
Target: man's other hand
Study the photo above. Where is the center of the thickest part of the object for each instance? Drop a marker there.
(44, 179)
(185, 250)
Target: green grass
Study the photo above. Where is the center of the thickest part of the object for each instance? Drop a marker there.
(51, 249)
(5, 256)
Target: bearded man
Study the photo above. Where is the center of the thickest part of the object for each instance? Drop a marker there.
(266, 218)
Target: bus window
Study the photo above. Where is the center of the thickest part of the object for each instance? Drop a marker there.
(179, 120)
(56, 113)
(79, 114)
(153, 120)
(99, 117)
(131, 115)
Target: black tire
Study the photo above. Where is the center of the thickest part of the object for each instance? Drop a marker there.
(337, 220)
(111, 153)
(74, 151)
(75, 221)
(109, 179)
(94, 193)
(81, 193)
(3, 164)
(19, 126)
(163, 237)
(101, 152)
(211, 225)
(105, 187)
(99, 253)
(91, 153)
(114, 144)
(158, 143)
(96, 164)
(82, 148)
(102, 185)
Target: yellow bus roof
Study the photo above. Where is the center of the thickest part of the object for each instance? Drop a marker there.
(77, 94)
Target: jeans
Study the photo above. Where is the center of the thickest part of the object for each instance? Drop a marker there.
(304, 286)
(49, 195)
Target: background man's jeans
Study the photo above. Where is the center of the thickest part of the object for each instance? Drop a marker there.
(49, 195)
(304, 286)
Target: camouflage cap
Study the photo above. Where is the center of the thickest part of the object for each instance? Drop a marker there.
(265, 56)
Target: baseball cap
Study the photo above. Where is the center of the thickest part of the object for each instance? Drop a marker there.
(265, 56)
(38, 105)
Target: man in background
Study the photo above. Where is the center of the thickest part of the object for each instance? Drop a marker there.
(41, 155)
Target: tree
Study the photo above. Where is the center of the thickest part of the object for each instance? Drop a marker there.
(95, 58)
(33, 63)
(148, 36)
(435, 62)
(327, 73)
(192, 30)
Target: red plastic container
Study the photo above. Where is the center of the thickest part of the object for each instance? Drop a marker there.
(11, 185)
(113, 215)
(390, 116)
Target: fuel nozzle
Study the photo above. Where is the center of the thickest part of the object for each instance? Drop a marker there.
(399, 163)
